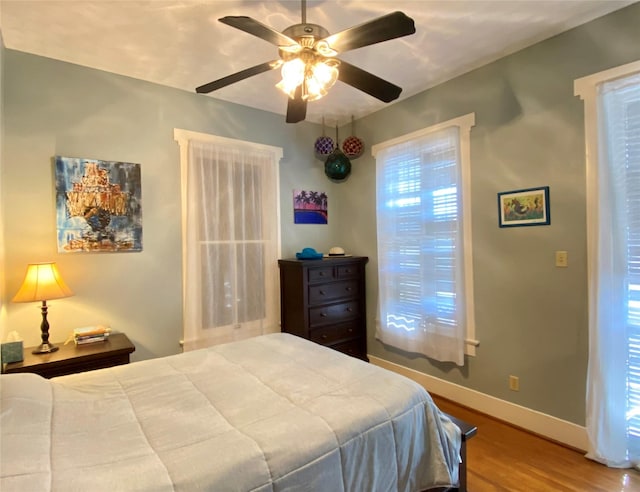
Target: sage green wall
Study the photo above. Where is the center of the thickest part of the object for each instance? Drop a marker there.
(54, 108)
(531, 317)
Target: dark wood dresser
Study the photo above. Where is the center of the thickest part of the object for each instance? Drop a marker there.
(324, 301)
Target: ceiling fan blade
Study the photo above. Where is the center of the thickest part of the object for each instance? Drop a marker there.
(297, 108)
(237, 77)
(390, 26)
(258, 29)
(367, 82)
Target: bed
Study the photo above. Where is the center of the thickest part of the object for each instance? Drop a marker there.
(271, 413)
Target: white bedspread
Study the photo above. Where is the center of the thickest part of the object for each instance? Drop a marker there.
(270, 413)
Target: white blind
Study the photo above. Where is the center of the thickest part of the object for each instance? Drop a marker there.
(621, 130)
(420, 247)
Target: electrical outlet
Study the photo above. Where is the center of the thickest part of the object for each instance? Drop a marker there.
(514, 383)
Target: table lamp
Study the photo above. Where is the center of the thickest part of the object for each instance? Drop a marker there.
(42, 282)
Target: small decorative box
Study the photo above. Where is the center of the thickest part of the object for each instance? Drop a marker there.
(12, 352)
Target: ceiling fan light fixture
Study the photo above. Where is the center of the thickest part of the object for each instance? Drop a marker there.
(323, 48)
(321, 77)
(316, 75)
(307, 57)
(293, 49)
(293, 74)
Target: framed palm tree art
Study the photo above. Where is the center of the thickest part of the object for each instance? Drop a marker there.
(310, 207)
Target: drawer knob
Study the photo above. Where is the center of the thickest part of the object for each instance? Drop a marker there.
(349, 310)
(321, 292)
(324, 336)
(323, 315)
(348, 289)
(320, 274)
(350, 330)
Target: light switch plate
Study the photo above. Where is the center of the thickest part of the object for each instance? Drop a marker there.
(562, 259)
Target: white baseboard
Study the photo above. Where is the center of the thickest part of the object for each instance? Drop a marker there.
(559, 430)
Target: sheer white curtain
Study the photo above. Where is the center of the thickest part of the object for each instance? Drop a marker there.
(612, 124)
(424, 263)
(231, 239)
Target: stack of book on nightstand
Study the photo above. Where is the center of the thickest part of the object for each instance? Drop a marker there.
(91, 334)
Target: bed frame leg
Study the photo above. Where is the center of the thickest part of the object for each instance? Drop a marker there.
(468, 431)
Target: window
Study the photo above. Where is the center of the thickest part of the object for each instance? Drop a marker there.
(424, 242)
(612, 129)
(230, 238)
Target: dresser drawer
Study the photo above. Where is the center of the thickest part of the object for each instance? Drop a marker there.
(336, 290)
(321, 274)
(348, 271)
(333, 313)
(354, 348)
(334, 333)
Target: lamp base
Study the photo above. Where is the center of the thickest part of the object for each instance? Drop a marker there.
(44, 348)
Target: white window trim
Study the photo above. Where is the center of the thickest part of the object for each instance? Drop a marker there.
(464, 123)
(601, 421)
(587, 89)
(183, 137)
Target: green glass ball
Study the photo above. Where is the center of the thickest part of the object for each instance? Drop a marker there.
(337, 166)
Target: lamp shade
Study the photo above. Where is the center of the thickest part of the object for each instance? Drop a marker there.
(42, 282)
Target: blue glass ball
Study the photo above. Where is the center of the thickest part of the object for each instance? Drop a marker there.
(337, 167)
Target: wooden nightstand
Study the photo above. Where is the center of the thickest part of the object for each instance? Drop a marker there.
(71, 359)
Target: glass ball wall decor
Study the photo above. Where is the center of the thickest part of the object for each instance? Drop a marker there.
(337, 167)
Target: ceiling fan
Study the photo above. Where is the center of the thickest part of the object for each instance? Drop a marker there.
(308, 58)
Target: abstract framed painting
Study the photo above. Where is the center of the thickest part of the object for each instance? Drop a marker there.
(527, 207)
(98, 205)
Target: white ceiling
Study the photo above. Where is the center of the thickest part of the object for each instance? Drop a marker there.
(180, 43)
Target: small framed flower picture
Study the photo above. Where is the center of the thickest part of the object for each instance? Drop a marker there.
(528, 207)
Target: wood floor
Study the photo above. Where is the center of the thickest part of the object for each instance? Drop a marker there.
(503, 458)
